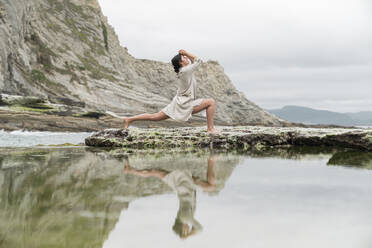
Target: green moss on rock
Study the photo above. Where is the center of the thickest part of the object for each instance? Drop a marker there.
(29, 109)
(240, 138)
(97, 71)
(77, 9)
(39, 77)
(104, 32)
(55, 5)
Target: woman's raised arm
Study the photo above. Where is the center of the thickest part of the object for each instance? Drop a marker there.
(189, 55)
(195, 61)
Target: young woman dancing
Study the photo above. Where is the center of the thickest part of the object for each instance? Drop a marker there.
(184, 103)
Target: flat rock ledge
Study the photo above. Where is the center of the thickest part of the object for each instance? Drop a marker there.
(241, 137)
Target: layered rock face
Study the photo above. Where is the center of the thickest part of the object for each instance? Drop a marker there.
(65, 51)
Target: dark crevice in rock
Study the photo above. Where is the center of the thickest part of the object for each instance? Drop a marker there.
(10, 66)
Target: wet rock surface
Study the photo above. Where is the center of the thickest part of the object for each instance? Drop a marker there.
(242, 137)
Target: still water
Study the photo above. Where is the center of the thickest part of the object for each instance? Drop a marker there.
(84, 197)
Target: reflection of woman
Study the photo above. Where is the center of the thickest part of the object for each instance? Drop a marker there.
(182, 182)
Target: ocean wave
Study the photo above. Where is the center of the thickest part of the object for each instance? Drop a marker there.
(22, 138)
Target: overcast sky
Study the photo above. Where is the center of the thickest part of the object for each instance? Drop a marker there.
(291, 52)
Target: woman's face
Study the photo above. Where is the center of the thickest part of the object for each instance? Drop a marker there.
(184, 61)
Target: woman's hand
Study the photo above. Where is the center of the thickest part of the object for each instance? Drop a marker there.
(189, 55)
(182, 52)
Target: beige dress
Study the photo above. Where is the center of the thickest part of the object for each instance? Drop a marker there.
(180, 109)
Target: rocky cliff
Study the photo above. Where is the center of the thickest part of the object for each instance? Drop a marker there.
(65, 51)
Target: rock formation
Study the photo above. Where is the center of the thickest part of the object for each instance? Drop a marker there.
(230, 138)
(65, 51)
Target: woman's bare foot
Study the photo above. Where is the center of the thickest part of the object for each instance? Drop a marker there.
(126, 122)
(213, 131)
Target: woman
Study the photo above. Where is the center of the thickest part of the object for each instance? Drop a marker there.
(184, 104)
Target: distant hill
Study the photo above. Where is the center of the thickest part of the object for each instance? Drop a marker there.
(314, 116)
(363, 116)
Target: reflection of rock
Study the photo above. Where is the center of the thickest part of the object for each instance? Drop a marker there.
(73, 197)
(243, 137)
(352, 159)
(293, 152)
(336, 156)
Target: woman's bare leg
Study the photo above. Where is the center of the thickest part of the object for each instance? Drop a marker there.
(210, 106)
(145, 173)
(150, 117)
(210, 185)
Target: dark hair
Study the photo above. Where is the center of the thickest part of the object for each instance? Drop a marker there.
(176, 62)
